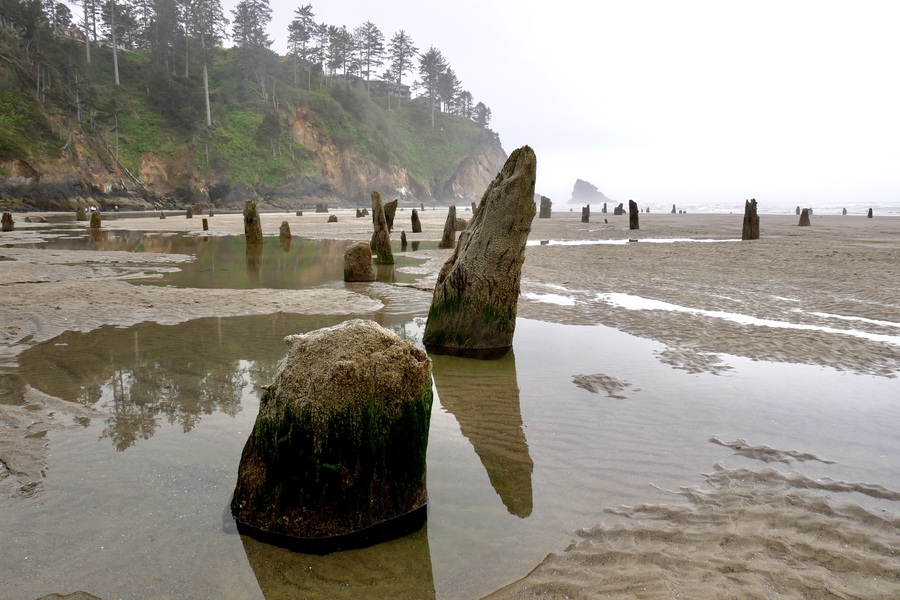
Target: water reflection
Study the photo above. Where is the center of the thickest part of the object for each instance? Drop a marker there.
(150, 374)
(396, 569)
(483, 395)
(254, 261)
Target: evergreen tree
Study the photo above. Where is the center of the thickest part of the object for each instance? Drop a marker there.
(482, 115)
(400, 53)
(431, 67)
(251, 17)
(207, 26)
(370, 42)
(301, 32)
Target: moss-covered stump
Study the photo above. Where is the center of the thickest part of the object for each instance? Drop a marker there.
(7, 222)
(358, 263)
(338, 448)
(473, 311)
(380, 243)
(448, 239)
(252, 224)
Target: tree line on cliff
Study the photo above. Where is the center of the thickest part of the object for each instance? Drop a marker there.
(143, 76)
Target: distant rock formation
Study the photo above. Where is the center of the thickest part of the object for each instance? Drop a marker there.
(448, 240)
(252, 224)
(416, 223)
(750, 230)
(546, 206)
(358, 263)
(380, 243)
(336, 457)
(587, 193)
(633, 222)
(473, 311)
(804, 218)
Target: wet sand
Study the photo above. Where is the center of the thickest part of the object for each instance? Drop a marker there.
(823, 295)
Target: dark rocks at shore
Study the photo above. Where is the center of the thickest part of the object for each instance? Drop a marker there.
(358, 263)
(586, 213)
(252, 224)
(633, 219)
(448, 239)
(337, 455)
(416, 223)
(473, 310)
(546, 208)
(750, 230)
(380, 244)
(804, 218)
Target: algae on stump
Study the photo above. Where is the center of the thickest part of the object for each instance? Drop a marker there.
(473, 311)
(340, 440)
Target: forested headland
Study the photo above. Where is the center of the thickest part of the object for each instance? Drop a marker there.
(151, 103)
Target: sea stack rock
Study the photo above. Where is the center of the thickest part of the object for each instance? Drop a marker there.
(473, 311)
(7, 222)
(81, 214)
(586, 213)
(95, 220)
(252, 224)
(633, 220)
(804, 218)
(284, 232)
(380, 243)
(546, 206)
(416, 223)
(358, 263)
(750, 230)
(336, 458)
(448, 240)
(390, 209)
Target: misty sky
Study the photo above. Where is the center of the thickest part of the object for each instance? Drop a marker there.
(669, 102)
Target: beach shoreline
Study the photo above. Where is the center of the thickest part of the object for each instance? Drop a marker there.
(823, 295)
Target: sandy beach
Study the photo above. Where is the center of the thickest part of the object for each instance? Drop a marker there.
(827, 295)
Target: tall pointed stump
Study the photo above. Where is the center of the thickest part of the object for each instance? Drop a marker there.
(473, 311)
(380, 243)
(751, 221)
(633, 219)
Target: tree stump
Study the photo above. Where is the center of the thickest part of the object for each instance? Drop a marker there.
(336, 458)
(390, 209)
(252, 224)
(546, 208)
(416, 223)
(448, 239)
(7, 222)
(473, 311)
(804, 218)
(358, 263)
(633, 219)
(750, 230)
(380, 243)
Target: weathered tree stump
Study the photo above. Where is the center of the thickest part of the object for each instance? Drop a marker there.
(390, 209)
(162, 215)
(81, 214)
(189, 213)
(205, 224)
(586, 213)
(633, 219)
(7, 222)
(546, 208)
(619, 210)
(332, 219)
(870, 213)
(211, 214)
(604, 208)
(416, 223)
(284, 232)
(448, 239)
(95, 220)
(358, 263)
(461, 224)
(804, 218)
(299, 213)
(321, 207)
(474, 208)
(403, 239)
(750, 229)
(844, 212)
(673, 209)
(380, 243)
(473, 311)
(798, 211)
(252, 224)
(336, 458)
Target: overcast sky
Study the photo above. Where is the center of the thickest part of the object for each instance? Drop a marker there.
(791, 102)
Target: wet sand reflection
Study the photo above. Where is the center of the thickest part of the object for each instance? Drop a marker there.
(483, 395)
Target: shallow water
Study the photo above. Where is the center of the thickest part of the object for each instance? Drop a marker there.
(520, 456)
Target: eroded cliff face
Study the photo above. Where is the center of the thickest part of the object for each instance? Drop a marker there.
(474, 174)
